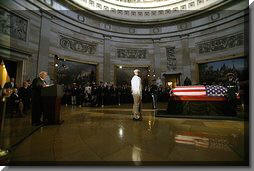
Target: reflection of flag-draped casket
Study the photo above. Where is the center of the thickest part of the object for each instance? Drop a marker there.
(199, 100)
(202, 140)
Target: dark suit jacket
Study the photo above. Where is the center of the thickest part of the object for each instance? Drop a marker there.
(25, 94)
(9, 85)
(37, 85)
(14, 99)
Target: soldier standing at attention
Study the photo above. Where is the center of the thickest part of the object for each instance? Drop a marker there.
(136, 88)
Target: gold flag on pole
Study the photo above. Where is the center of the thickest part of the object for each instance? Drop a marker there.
(4, 77)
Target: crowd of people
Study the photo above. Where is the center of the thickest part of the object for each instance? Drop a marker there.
(102, 94)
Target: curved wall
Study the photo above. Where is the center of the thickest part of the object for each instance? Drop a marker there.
(171, 47)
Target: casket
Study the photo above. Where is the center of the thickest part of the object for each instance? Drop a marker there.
(199, 100)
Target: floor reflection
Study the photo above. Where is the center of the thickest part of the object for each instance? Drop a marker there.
(88, 136)
(136, 155)
(201, 140)
(15, 129)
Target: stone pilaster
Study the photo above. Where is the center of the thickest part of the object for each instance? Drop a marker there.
(185, 50)
(156, 60)
(44, 42)
(106, 59)
(194, 70)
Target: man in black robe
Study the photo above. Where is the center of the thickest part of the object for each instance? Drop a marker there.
(37, 109)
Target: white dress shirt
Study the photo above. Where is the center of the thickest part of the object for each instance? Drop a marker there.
(136, 85)
(88, 90)
(12, 84)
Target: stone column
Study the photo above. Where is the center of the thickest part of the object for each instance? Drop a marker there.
(20, 72)
(186, 62)
(156, 61)
(106, 59)
(44, 42)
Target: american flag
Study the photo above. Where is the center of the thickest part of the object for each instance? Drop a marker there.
(212, 90)
(209, 92)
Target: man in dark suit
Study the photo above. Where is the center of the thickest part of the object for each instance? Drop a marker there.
(10, 84)
(16, 104)
(37, 110)
(25, 95)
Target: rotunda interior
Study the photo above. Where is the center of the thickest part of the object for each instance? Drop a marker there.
(89, 50)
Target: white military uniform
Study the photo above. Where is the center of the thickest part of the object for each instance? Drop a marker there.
(136, 87)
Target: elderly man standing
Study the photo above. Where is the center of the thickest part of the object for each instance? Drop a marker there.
(37, 85)
(136, 87)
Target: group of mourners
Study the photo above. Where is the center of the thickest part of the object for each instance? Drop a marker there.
(106, 94)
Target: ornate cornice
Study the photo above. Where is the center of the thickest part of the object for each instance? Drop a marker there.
(77, 45)
(221, 43)
(131, 53)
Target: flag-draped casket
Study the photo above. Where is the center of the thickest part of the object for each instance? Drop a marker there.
(199, 100)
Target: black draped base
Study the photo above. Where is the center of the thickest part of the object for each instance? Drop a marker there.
(200, 108)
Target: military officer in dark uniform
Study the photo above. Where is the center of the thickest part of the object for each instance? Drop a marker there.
(154, 92)
(232, 88)
(187, 81)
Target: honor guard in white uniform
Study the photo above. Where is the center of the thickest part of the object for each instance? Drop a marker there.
(136, 87)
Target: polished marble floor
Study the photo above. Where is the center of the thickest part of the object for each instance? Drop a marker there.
(15, 129)
(89, 136)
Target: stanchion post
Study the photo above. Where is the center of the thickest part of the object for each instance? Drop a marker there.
(3, 153)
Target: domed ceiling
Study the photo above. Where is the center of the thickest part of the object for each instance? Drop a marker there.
(145, 10)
